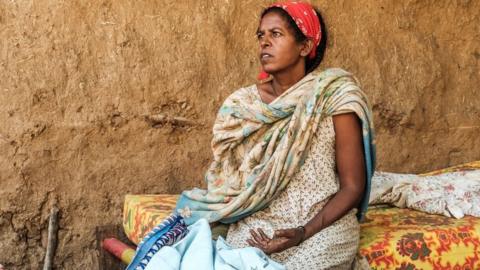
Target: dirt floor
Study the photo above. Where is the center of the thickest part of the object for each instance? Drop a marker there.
(79, 80)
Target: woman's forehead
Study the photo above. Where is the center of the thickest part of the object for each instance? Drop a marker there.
(272, 20)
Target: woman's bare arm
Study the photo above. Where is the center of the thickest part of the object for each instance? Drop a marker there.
(351, 172)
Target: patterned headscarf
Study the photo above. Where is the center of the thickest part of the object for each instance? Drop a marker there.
(307, 21)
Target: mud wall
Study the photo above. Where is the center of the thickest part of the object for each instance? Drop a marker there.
(79, 78)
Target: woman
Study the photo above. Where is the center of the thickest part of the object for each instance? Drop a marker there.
(293, 154)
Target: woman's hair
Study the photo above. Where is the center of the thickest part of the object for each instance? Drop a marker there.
(310, 64)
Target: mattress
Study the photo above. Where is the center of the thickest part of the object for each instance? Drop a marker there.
(141, 213)
(391, 238)
(394, 238)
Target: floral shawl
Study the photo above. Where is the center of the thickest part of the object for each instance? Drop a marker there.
(257, 147)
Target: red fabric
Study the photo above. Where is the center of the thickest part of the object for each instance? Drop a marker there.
(115, 246)
(307, 21)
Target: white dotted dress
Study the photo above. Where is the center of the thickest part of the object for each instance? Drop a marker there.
(334, 247)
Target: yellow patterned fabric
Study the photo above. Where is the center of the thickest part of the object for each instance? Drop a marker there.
(141, 213)
(394, 238)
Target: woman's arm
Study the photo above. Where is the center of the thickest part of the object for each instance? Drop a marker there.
(351, 172)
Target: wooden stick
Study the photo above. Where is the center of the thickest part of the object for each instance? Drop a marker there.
(161, 119)
(52, 239)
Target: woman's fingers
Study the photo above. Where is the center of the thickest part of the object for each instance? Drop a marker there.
(272, 246)
(282, 240)
(263, 235)
(256, 237)
(252, 243)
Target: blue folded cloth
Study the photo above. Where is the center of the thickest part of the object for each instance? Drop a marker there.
(170, 231)
(198, 251)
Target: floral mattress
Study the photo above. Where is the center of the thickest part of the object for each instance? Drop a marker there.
(394, 238)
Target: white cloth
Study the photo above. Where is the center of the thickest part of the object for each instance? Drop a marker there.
(452, 194)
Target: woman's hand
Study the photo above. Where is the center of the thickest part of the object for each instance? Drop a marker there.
(282, 240)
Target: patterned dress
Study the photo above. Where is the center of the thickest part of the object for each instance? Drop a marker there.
(316, 181)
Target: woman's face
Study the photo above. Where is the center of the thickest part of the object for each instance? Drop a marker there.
(278, 50)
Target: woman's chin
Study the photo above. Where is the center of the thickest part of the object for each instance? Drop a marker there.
(269, 70)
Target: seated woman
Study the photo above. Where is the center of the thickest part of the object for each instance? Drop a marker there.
(293, 154)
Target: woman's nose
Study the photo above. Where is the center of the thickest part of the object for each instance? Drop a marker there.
(264, 42)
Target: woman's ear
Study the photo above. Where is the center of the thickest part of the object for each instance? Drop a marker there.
(306, 47)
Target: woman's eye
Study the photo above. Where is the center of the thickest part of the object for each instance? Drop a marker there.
(276, 34)
(259, 35)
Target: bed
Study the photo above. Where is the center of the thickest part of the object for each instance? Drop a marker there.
(391, 238)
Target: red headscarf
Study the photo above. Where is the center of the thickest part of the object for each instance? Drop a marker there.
(307, 21)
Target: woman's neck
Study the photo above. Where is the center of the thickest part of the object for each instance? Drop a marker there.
(284, 80)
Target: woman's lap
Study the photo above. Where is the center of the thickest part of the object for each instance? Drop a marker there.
(335, 247)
